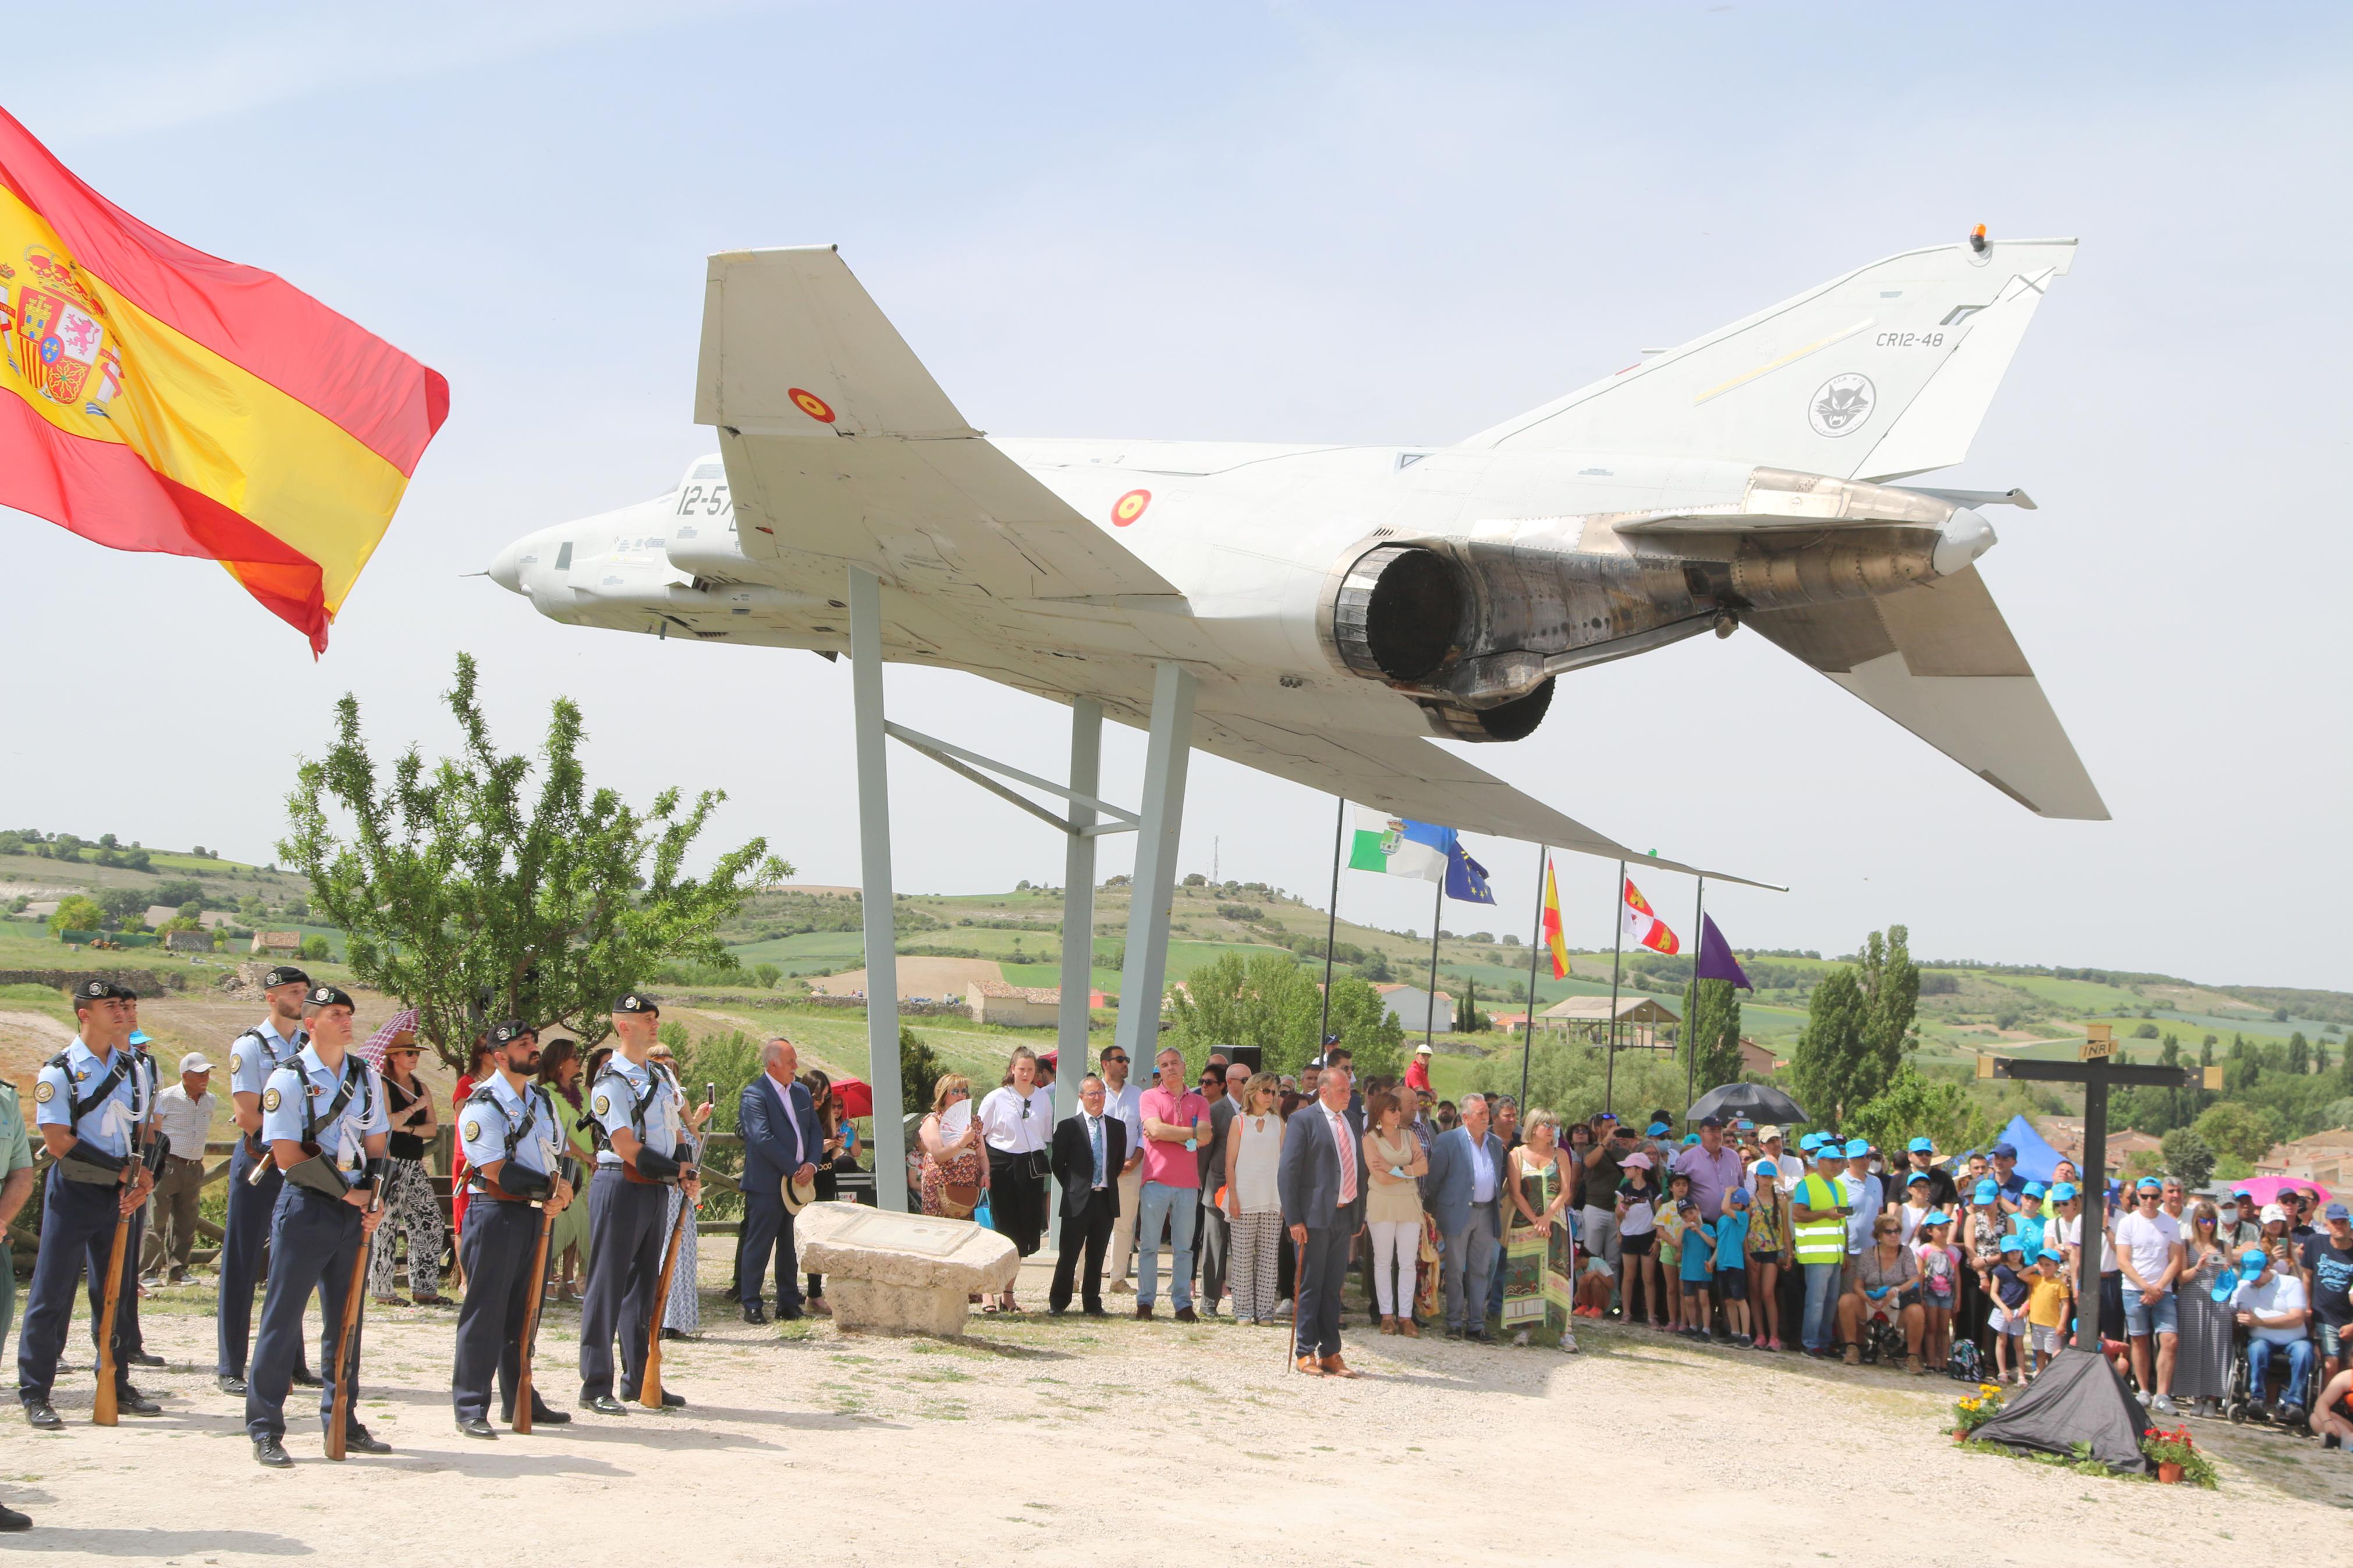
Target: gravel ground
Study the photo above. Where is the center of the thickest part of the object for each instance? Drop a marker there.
(1109, 1443)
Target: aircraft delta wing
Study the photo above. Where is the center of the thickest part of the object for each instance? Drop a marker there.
(1339, 606)
(841, 448)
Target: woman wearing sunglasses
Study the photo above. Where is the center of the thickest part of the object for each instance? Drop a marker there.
(1017, 1120)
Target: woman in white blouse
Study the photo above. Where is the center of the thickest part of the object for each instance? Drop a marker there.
(1016, 1121)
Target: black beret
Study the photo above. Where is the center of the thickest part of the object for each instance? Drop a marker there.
(329, 996)
(637, 1001)
(94, 990)
(506, 1031)
(284, 974)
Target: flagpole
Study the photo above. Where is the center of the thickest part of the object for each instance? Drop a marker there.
(1691, 1040)
(1437, 911)
(1535, 942)
(1332, 923)
(1617, 945)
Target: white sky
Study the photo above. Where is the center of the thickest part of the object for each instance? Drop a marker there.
(1357, 223)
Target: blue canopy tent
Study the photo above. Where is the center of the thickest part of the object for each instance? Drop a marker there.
(2037, 1160)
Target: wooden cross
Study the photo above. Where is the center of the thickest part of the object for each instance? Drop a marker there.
(2096, 1069)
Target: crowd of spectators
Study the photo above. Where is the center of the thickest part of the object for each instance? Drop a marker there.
(1482, 1221)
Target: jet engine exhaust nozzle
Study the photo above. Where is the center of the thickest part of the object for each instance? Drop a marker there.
(1401, 612)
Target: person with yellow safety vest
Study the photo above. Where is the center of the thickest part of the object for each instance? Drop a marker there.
(1817, 1214)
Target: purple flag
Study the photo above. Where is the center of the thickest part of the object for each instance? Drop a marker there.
(1716, 959)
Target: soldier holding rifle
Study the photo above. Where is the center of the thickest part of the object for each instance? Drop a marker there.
(512, 1139)
(641, 1152)
(86, 1103)
(254, 1177)
(322, 1116)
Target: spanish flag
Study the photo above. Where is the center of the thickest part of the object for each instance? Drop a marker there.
(162, 399)
(1555, 941)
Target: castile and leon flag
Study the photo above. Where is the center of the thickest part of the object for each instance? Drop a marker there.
(156, 398)
(1643, 926)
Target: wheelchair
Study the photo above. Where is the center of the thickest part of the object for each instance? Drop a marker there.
(2284, 1389)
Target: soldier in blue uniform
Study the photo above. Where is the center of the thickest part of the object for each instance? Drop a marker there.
(253, 1177)
(323, 1118)
(511, 1138)
(148, 1079)
(86, 1104)
(641, 1154)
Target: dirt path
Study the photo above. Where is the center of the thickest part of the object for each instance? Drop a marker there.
(1093, 1444)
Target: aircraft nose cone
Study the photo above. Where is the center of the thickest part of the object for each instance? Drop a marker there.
(507, 570)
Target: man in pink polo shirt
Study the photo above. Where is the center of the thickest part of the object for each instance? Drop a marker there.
(1175, 1126)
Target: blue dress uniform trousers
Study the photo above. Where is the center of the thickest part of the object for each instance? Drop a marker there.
(501, 1240)
(245, 1233)
(313, 1239)
(767, 1227)
(627, 1233)
(77, 1233)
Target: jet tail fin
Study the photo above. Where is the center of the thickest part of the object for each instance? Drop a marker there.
(1883, 373)
(1939, 660)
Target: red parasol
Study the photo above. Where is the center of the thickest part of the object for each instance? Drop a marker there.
(855, 1097)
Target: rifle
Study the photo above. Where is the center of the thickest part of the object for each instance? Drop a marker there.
(649, 1388)
(564, 1169)
(346, 1336)
(105, 1411)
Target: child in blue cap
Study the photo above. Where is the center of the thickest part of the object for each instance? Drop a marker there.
(1698, 1270)
(1732, 1265)
(2028, 1223)
(2046, 1307)
(2008, 1317)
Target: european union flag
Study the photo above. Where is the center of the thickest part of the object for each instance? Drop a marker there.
(1466, 880)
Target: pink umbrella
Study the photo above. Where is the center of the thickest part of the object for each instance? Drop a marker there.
(401, 1023)
(2267, 1189)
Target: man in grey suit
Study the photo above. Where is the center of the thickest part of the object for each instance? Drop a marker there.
(1322, 1183)
(1466, 1183)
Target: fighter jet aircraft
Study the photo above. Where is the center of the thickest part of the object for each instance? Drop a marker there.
(1341, 605)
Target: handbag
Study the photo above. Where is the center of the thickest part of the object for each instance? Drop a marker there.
(959, 1199)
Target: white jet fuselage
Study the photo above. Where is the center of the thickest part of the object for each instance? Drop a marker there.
(1260, 541)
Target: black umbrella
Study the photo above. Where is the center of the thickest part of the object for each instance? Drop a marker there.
(1757, 1101)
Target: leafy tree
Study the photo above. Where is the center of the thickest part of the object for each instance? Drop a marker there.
(2189, 1156)
(728, 1062)
(1912, 1107)
(1710, 1045)
(1366, 1026)
(767, 976)
(2299, 1053)
(123, 903)
(466, 898)
(317, 949)
(2237, 1129)
(1570, 1079)
(1829, 1067)
(1892, 982)
(1268, 1000)
(1375, 968)
(919, 1071)
(178, 890)
(78, 912)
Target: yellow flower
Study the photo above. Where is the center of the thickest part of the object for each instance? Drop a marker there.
(1988, 1388)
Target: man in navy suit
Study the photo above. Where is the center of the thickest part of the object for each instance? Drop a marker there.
(1466, 1183)
(781, 1142)
(1089, 1150)
(1322, 1181)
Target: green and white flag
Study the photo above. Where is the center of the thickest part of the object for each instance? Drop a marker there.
(1396, 846)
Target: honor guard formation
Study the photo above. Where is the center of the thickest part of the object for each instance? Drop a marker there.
(307, 1186)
